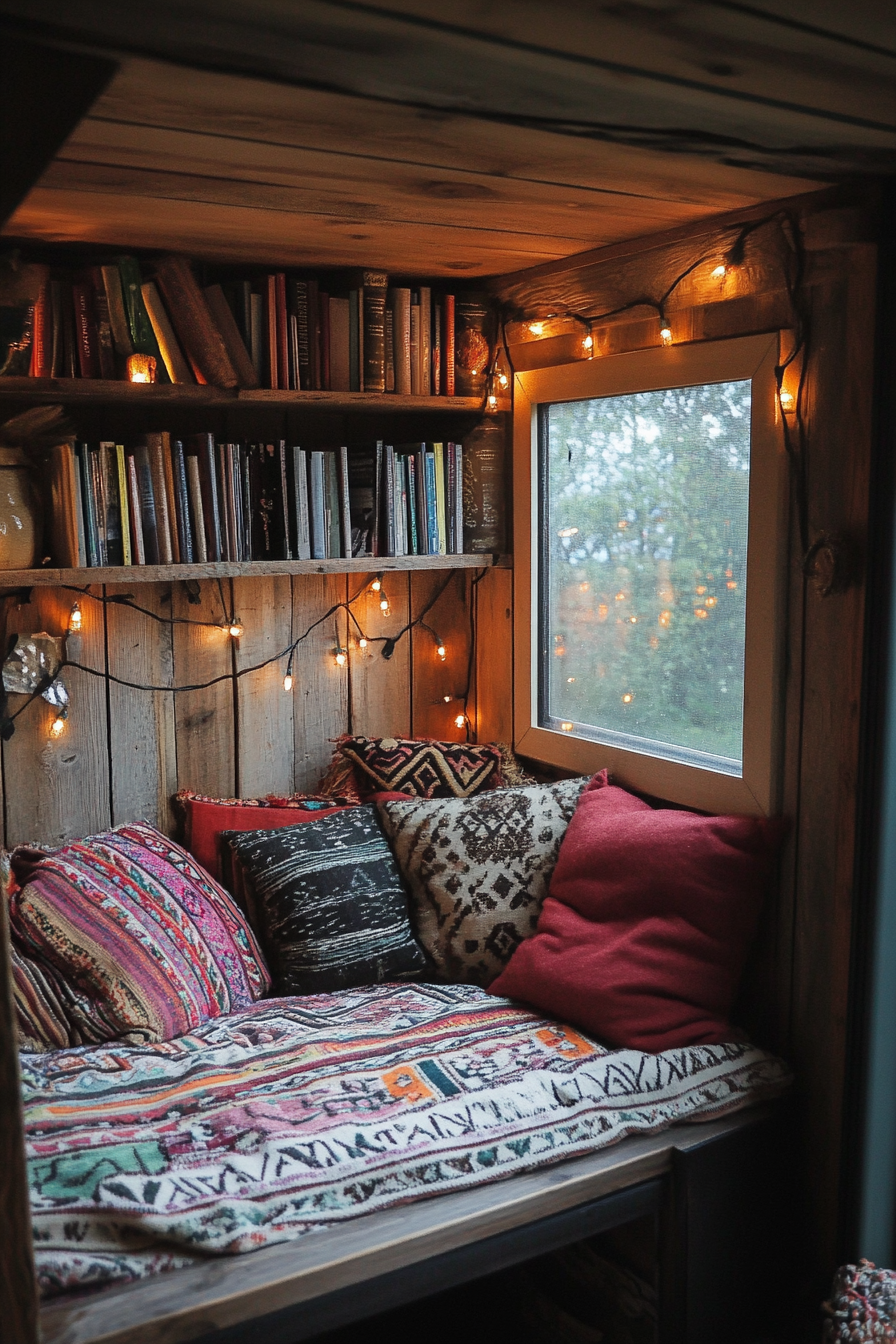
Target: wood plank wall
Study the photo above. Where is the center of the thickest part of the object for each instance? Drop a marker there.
(124, 752)
(796, 1000)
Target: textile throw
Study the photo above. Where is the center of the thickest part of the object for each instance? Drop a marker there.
(478, 870)
(300, 1113)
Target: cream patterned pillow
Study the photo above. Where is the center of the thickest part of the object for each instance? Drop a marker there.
(477, 870)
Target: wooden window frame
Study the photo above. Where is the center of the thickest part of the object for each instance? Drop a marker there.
(755, 357)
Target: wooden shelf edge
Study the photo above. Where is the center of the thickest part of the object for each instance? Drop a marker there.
(254, 569)
(118, 390)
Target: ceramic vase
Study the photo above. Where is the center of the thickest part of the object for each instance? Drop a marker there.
(20, 516)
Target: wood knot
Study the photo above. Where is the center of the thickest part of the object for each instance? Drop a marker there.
(828, 565)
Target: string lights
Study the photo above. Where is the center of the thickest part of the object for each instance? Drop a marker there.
(75, 619)
(57, 727)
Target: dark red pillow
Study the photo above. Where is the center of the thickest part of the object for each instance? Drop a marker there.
(205, 818)
(650, 914)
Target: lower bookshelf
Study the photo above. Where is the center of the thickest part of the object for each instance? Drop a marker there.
(250, 569)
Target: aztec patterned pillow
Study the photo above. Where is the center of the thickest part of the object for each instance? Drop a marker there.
(423, 769)
(328, 902)
(478, 871)
(151, 944)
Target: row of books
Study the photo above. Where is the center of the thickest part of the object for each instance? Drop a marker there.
(352, 332)
(172, 501)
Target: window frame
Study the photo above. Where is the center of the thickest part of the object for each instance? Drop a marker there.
(755, 358)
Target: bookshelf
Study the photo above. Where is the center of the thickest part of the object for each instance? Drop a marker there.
(74, 391)
(233, 569)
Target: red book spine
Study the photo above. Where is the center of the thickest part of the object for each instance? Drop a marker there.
(41, 332)
(85, 327)
(324, 309)
(282, 332)
(273, 366)
(448, 345)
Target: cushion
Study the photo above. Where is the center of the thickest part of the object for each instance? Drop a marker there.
(862, 1306)
(128, 918)
(647, 924)
(478, 869)
(205, 818)
(41, 1020)
(422, 769)
(328, 903)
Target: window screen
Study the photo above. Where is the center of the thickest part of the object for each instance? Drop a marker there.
(642, 570)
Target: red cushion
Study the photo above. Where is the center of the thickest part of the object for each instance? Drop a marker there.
(649, 917)
(205, 819)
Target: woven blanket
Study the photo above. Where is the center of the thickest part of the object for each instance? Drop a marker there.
(297, 1113)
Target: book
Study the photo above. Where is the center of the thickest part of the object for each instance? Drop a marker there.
(372, 287)
(300, 496)
(256, 334)
(42, 328)
(200, 338)
(339, 345)
(414, 345)
(316, 492)
(85, 328)
(441, 526)
(300, 308)
(484, 512)
(172, 355)
(323, 307)
(436, 362)
(284, 539)
(156, 446)
(97, 493)
(361, 500)
(70, 362)
(182, 503)
(112, 504)
(121, 473)
(282, 330)
(143, 339)
(272, 362)
(203, 446)
(105, 343)
(231, 335)
(88, 505)
(56, 339)
(459, 498)
(345, 506)
(432, 525)
(118, 320)
(171, 496)
(332, 506)
(79, 509)
(225, 502)
(354, 340)
(448, 371)
(390, 349)
(400, 302)
(197, 510)
(63, 519)
(425, 341)
(147, 504)
(410, 469)
(138, 550)
(313, 336)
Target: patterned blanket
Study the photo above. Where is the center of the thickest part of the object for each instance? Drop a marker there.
(298, 1113)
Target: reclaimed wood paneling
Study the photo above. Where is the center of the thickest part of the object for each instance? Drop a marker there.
(143, 753)
(57, 788)
(380, 699)
(265, 731)
(205, 719)
(320, 704)
(494, 657)
(434, 677)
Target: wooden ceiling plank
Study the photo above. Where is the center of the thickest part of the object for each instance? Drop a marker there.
(156, 93)
(274, 238)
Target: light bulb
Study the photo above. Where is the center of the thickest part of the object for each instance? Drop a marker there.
(376, 585)
(720, 272)
(287, 682)
(362, 643)
(447, 699)
(503, 379)
(588, 343)
(459, 721)
(384, 605)
(235, 629)
(627, 698)
(567, 727)
(567, 532)
(442, 652)
(666, 335)
(786, 399)
(340, 657)
(492, 402)
(536, 328)
(74, 620)
(57, 727)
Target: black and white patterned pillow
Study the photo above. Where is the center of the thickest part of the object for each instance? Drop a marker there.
(478, 870)
(328, 903)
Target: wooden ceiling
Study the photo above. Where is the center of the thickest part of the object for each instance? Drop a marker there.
(498, 137)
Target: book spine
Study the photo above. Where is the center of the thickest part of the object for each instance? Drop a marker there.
(374, 338)
(282, 330)
(459, 498)
(41, 330)
(57, 342)
(85, 326)
(210, 503)
(98, 495)
(436, 376)
(354, 341)
(300, 289)
(448, 345)
(334, 524)
(225, 503)
(79, 508)
(313, 336)
(425, 341)
(194, 486)
(70, 364)
(432, 524)
(89, 506)
(155, 447)
(377, 532)
(318, 530)
(246, 484)
(63, 521)
(340, 380)
(414, 343)
(147, 505)
(422, 522)
(114, 541)
(389, 490)
(439, 452)
(295, 376)
(410, 467)
(401, 310)
(286, 548)
(273, 363)
(182, 503)
(122, 476)
(171, 497)
(172, 355)
(105, 346)
(193, 323)
(138, 550)
(484, 512)
(449, 499)
(256, 335)
(118, 318)
(323, 308)
(222, 315)
(303, 521)
(390, 348)
(345, 507)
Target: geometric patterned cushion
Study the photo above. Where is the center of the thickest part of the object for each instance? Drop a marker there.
(478, 870)
(424, 769)
(328, 902)
(862, 1307)
(150, 943)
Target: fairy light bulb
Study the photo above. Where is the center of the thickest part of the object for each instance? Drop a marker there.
(588, 344)
(384, 605)
(362, 643)
(57, 727)
(503, 380)
(447, 699)
(235, 628)
(377, 584)
(441, 651)
(75, 619)
(287, 680)
(567, 727)
(340, 657)
(666, 334)
(787, 400)
(492, 401)
(719, 271)
(459, 721)
(536, 328)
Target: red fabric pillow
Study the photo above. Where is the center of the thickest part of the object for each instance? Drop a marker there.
(206, 818)
(650, 914)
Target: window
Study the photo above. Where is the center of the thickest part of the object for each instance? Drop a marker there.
(648, 520)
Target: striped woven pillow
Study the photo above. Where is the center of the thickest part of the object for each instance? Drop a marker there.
(40, 1016)
(152, 945)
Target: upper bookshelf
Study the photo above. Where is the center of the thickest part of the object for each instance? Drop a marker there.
(110, 391)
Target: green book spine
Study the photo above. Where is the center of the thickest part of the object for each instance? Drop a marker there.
(143, 338)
